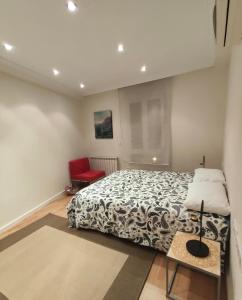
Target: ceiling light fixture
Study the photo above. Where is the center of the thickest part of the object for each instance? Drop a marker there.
(56, 72)
(8, 47)
(72, 6)
(143, 69)
(120, 48)
(82, 85)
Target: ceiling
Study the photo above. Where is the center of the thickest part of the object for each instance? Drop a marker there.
(170, 37)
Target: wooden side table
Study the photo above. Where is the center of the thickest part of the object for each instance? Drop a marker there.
(178, 253)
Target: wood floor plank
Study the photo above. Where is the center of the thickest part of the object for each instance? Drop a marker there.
(188, 285)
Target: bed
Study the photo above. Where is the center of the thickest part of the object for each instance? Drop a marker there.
(145, 207)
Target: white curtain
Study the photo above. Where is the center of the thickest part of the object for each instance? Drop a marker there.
(145, 123)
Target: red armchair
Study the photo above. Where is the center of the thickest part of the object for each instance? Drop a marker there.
(80, 171)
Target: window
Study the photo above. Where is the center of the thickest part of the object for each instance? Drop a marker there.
(145, 122)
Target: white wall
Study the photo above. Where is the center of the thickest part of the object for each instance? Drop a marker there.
(197, 120)
(233, 168)
(198, 113)
(98, 102)
(39, 133)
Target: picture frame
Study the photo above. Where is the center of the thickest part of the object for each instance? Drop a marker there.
(103, 123)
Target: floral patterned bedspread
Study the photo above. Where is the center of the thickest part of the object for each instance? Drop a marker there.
(145, 207)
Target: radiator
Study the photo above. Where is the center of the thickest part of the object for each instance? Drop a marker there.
(108, 164)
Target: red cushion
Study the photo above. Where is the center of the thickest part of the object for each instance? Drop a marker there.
(78, 166)
(89, 175)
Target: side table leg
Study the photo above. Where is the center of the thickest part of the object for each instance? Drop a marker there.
(167, 275)
(218, 288)
(169, 283)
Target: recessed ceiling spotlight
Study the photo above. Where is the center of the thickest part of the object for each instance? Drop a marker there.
(120, 48)
(8, 47)
(82, 85)
(56, 72)
(71, 6)
(143, 68)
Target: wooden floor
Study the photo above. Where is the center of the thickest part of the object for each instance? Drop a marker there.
(188, 284)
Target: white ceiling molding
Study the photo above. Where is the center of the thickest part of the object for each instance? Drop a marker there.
(24, 73)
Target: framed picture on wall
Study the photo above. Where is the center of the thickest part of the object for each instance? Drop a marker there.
(103, 124)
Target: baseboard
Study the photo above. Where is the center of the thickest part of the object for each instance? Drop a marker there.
(31, 211)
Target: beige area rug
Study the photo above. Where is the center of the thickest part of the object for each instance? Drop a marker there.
(49, 261)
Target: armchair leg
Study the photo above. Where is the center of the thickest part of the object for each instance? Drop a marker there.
(79, 184)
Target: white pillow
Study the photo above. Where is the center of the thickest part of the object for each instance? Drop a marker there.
(213, 194)
(211, 175)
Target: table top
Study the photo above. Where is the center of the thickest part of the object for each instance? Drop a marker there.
(210, 264)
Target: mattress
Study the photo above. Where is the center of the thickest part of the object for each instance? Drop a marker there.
(145, 207)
